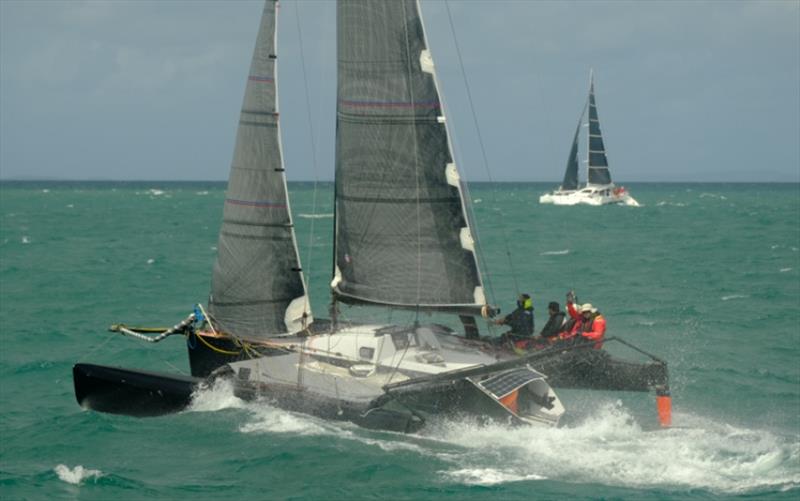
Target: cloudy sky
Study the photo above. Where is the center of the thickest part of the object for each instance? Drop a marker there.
(151, 90)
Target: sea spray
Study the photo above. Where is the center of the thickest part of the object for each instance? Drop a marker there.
(76, 475)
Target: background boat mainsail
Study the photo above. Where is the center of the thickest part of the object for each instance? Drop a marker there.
(257, 289)
(402, 236)
(598, 163)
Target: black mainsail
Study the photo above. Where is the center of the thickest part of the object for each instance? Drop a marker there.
(598, 162)
(257, 289)
(402, 235)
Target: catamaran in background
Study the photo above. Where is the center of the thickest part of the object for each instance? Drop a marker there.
(599, 189)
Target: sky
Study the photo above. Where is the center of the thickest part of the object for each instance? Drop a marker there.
(151, 90)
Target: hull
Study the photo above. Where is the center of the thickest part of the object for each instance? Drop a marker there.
(593, 195)
(585, 368)
(406, 406)
(131, 392)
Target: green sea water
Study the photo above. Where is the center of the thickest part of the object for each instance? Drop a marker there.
(707, 276)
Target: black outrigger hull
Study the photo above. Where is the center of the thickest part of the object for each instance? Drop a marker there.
(132, 392)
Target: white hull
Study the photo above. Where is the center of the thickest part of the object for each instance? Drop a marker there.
(590, 195)
(371, 356)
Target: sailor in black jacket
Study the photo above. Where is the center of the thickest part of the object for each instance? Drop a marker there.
(554, 323)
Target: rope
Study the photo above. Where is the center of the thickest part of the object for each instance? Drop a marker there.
(483, 155)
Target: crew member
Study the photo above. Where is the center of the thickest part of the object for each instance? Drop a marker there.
(588, 323)
(554, 323)
(520, 320)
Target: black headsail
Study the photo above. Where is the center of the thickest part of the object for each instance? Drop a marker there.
(598, 163)
(402, 236)
(570, 181)
(257, 288)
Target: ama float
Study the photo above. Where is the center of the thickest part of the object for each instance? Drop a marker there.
(403, 240)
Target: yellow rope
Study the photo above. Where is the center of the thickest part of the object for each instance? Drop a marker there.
(214, 348)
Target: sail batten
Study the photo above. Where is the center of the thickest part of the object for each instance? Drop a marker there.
(399, 204)
(257, 279)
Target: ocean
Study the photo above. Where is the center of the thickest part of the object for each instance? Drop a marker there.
(706, 276)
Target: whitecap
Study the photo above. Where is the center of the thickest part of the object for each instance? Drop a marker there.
(151, 261)
(477, 200)
(76, 475)
(784, 270)
(45, 190)
(215, 397)
(555, 253)
(609, 447)
(201, 193)
(316, 216)
(70, 206)
(26, 239)
(487, 476)
(734, 296)
(154, 192)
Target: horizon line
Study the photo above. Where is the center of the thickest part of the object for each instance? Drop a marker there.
(99, 180)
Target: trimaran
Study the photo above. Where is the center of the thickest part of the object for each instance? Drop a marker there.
(599, 189)
(403, 240)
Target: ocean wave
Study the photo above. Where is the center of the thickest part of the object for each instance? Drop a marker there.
(671, 204)
(316, 216)
(713, 195)
(734, 296)
(76, 475)
(214, 398)
(555, 253)
(607, 447)
(488, 476)
(610, 448)
(784, 270)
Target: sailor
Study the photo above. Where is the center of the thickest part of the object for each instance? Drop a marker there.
(589, 323)
(554, 323)
(520, 320)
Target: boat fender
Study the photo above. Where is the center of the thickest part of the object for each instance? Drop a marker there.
(664, 407)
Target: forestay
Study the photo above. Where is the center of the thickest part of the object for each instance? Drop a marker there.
(402, 236)
(257, 288)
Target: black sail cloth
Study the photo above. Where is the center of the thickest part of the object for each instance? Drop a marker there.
(402, 236)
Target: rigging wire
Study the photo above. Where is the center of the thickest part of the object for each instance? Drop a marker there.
(416, 158)
(309, 252)
(482, 148)
(315, 171)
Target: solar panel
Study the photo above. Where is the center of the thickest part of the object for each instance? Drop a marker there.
(504, 383)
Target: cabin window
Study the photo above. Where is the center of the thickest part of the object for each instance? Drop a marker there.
(403, 340)
(366, 352)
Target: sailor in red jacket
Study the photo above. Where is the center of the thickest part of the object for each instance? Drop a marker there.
(589, 323)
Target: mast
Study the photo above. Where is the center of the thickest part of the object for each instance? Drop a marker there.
(596, 161)
(257, 288)
(402, 235)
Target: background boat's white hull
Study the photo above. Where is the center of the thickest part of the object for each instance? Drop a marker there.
(594, 195)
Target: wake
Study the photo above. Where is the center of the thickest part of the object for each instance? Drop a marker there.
(607, 447)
